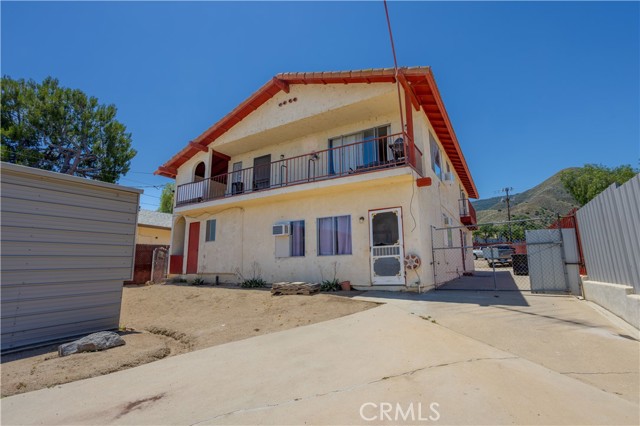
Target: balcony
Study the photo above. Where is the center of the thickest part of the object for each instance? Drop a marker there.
(360, 157)
(468, 214)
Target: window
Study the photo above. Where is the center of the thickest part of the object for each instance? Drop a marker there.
(262, 172)
(356, 155)
(237, 180)
(211, 230)
(198, 174)
(449, 237)
(296, 240)
(436, 162)
(237, 175)
(334, 235)
(292, 243)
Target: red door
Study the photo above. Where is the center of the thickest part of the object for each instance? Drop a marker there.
(192, 252)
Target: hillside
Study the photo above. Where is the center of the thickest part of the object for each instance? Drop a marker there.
(545, 200)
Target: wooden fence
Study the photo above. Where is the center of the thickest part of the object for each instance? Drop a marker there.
(143, 263)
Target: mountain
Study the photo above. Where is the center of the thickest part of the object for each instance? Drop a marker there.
(545, 200)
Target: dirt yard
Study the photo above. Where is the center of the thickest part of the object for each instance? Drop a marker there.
(170, 319)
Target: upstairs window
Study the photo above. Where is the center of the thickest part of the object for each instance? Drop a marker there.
(436, 161)
(199, 172)
(359, 151)
(237, 172)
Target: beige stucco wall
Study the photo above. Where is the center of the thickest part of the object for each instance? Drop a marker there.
(244, 234)
(442, 198)
(151, 235)
(312, 101)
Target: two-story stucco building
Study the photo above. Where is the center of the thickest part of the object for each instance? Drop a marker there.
(317, 170)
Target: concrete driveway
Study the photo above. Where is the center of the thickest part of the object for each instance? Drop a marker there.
(385, 365)
(563, 333)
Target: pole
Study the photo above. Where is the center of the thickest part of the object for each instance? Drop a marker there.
(433, 260)
(508, 200)
(493, 266)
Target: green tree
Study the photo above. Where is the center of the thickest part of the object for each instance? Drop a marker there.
(502, 232)
(51, 127)
(585, 183)
(485, 232)
(518, 229)
(166, 198)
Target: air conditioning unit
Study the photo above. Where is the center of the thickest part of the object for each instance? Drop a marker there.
(281, 229)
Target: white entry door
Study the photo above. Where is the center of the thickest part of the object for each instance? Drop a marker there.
(387, 257)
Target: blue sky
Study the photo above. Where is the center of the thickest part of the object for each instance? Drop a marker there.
(531, 88)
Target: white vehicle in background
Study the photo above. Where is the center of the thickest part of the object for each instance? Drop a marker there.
(478, 253)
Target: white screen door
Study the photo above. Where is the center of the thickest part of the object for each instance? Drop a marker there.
(387, 257)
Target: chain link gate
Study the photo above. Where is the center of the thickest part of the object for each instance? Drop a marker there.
(520, 255)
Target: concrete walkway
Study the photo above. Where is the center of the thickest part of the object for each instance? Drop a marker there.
(337, 372)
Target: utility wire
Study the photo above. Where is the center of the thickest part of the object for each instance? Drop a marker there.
(395, 65)
(395, 69)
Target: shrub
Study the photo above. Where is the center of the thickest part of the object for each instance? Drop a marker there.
(253, 283)
(330, 285)
(198, 281)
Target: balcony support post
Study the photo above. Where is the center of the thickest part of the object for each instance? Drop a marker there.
(411, 145)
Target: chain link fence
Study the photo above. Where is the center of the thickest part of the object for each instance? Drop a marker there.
(519, 255)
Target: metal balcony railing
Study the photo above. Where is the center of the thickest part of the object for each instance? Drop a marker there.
(360, 157)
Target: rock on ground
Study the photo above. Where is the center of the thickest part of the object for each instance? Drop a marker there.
(93, 342)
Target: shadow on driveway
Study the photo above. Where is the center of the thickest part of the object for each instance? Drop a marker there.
(481, 298)
(484, 281)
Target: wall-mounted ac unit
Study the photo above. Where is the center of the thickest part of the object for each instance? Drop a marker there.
(281, 229)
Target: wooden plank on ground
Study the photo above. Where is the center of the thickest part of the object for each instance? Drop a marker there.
(294, 288)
